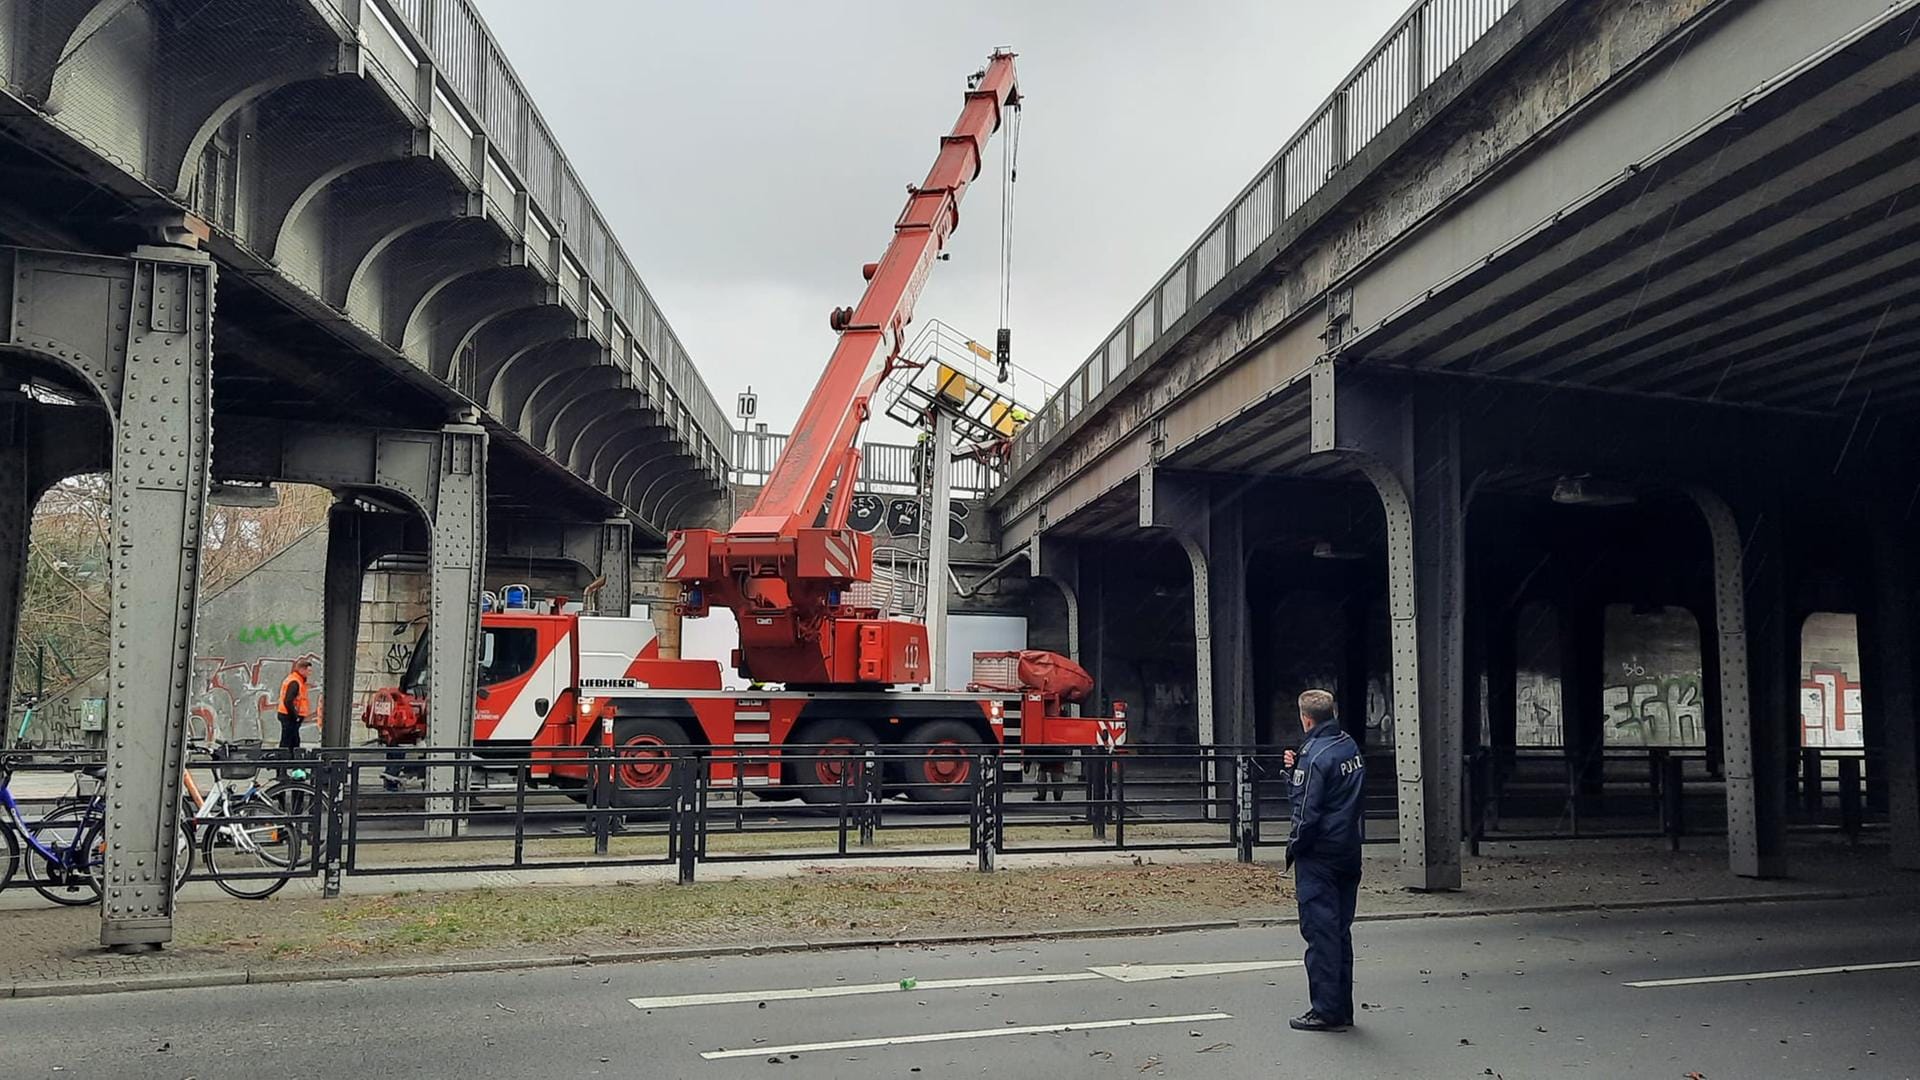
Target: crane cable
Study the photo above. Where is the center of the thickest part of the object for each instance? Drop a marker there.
(1009, 172)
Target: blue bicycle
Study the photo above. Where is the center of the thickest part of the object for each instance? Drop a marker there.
(66, 851)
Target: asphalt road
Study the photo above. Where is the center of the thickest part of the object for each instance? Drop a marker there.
(1510, 996)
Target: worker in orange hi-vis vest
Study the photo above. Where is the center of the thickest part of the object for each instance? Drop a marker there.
(295, 703)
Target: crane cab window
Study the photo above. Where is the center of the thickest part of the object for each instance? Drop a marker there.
(507, 653)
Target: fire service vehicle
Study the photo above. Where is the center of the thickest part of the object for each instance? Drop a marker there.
(789, 569)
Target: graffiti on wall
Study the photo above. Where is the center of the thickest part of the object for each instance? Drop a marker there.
(1537, 707)
(398, 656)
(896, 517)
(283, 635)
(1652, 708)
(235, 699)
(1830, 709)
(1379, 711)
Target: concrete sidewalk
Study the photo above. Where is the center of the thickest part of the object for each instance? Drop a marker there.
(442, 922)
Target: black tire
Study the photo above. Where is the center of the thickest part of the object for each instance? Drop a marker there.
(817, 771)
(647, 757)
(9, 858)
(302, 804)
(946, 772)
(252, 855)
(67, 827)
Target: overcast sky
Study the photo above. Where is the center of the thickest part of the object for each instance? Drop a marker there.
(752, 156)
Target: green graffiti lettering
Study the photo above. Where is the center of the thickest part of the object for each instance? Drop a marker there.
(280, 634)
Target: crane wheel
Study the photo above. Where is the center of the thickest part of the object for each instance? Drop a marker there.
(831, 771)
(946, 768)
(643, 766)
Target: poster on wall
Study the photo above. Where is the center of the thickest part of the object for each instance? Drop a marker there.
(1813, 726)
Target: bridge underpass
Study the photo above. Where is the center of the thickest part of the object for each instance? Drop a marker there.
(1612, 308)
(319, 241)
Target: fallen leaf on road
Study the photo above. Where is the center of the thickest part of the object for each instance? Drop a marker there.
(1150, 1063)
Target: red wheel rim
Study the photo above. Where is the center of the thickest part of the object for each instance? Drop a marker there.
(831, 765)
(947, 763)
(644, 762)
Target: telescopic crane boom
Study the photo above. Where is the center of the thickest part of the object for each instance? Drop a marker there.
(787, 582)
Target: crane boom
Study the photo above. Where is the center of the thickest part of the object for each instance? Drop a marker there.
(787, 581)
(871, 337)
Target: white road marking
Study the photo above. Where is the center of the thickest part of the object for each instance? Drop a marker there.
(1791, 973)
(954, 1036)
(852, 990)
(1151, 972)
(1129, 973)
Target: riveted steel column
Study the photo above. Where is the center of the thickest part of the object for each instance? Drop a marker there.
(616, 568)
(1227, 611)
(1755, 833)
(345, 573)
(457, 559)
(16, 511)
(1203, 703)
(1406, 440)
(1435, 627)
(1183, 506)
(161, 444)
(1059, 563)
(1887, 643)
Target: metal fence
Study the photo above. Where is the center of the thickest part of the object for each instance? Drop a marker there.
(380, 814)
(1427, 40)
(531, 187)
(1628, 793)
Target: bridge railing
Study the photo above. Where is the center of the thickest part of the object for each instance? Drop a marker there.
(884, 467)
(441, 51)
(1426, 41)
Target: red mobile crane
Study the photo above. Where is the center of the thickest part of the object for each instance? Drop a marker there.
(787, 582)
(790, 587)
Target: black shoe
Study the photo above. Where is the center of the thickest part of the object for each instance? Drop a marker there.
(1313, 1021)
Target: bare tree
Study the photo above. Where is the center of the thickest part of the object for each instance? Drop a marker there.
(67, 593)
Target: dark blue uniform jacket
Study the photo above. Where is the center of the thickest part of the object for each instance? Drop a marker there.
(1326, 788)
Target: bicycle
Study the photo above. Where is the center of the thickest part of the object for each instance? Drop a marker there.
(254, 837)
(67, 856)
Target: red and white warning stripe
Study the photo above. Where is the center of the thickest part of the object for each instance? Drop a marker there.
(676, 554)
(840, 559)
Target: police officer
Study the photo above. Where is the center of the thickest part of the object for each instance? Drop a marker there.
(1326, 776)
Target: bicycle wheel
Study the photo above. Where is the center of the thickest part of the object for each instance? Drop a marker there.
(10, 858)
(74, 834)
(251, 856)
(299, 804)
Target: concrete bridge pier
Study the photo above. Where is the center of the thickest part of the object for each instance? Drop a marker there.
(133, 336)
